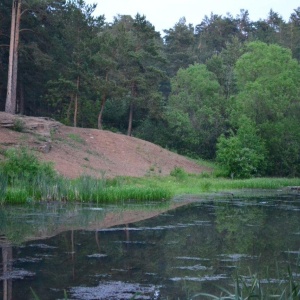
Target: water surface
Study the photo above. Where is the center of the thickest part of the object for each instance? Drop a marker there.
(174, 254)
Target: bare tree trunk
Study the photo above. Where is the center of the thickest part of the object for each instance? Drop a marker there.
(129, 131)
(22, 99)
(103, 100)
(101, 111)
(133, 94)
(16, 56)
(9, 105)
(69, 108)
(11, 97)
(76, 102)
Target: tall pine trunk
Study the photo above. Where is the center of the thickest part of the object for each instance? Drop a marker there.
(129, 130)
(133, 94)
(103, 101)
(76, 102)
(11, 97)
(101, 111)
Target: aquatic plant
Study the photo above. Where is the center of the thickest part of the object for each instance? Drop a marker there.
(244, 289)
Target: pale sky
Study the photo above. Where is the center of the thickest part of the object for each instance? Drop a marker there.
(163, 14)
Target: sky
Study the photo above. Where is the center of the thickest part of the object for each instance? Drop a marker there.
(163, 14)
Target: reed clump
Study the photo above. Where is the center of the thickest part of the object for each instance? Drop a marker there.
(23, 179)
(287, 288)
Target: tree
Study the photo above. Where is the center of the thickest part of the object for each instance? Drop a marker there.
(139, 64)
(69, 88)
(268, 82)
(223, 64)
(11, 98)
(242, 155)
(195, 111)
(213, 33)
(180, 46)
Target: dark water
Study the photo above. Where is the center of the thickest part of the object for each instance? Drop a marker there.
(191, 249)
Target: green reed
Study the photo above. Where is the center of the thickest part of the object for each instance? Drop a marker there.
(83, 189)
(287, 288)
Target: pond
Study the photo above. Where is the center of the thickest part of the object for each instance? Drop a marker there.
(153, 251)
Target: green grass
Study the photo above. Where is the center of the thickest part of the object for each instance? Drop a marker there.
(196, 184)
(88, 189)
(286, 289)
(24, 179)
(76, 138)
(83, 189)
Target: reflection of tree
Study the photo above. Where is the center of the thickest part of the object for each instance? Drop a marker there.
(7, 269)
(239, 227)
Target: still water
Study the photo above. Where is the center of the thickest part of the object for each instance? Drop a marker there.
(53, 250)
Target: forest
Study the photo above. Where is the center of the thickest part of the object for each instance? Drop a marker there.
(226, 89)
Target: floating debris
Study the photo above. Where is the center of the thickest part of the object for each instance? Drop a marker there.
(97, 255)
(115, 290)
(16, 274)
(200, 279)
(42, 246)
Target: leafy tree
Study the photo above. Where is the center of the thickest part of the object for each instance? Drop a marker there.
(195, 111)
(268, 82)
(242, 155)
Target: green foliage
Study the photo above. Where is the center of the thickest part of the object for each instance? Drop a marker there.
(268, 80)
(242, 155)
(179, 173)
(77, 138)
(23, 164)
(195, 111)
(18, 125)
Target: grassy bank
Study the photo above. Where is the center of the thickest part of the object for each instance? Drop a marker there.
(24, 179)
(197, 184)
(87, 189)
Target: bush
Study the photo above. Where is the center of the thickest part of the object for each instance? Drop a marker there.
(23, 164)
(242, 155)
(179, 173)
(18, 125)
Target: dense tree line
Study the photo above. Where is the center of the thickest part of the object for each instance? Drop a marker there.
(226, 88)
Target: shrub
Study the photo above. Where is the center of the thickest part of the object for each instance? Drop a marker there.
(242, 155)
(23, 164)
(18, 125)
(179, 173)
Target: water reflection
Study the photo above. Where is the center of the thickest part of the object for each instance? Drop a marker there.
(6, 248)
(173, 255)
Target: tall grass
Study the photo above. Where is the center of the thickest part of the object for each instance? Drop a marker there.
(199, 184)
(24, 179)
(83, 189)
(287, 289)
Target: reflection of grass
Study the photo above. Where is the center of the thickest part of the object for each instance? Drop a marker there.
(35, 296)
